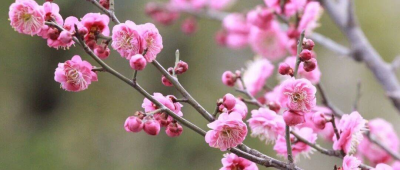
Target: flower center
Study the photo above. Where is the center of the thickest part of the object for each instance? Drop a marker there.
(74, 77)
(26, 17)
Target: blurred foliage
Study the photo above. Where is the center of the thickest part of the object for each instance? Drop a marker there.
(44, 127)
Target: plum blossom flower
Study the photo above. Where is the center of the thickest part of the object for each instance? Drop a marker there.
(396, 165)
(256, 74)
(383, 131)
(309, 20)
(298, 147)
(382, 166)
(151, 40)
(164, 16)
(313, 76)
(26, 17)
(350, 127)
(96, 23)
(270, 43)
(126, 39)
(228, 131)
(350, 163)
(266, 124)
(260, 17)
(241, 108)
(297, 95)
(188, 4)
(290, 7)
(233, 162)
(51, 12)
(237, 30)
(75, 75)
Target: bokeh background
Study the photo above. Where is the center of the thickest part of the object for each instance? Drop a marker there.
(44, 127)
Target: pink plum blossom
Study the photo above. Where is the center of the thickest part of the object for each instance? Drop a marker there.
(229, 101)
(313, 76)
(26, 17)
(350, 163)
(383, 131)
(256, 74)
(126, 39)
(228, 131)
(240, 107)
(237, 30)
(298, 147)
(350, 127)
(270, 43)
(396, 165)
(96, 23)
(260, 17)
(290, 7)
(311, 15)
(382, 166)
(297, 95)
(151, 40)
(266, 124)
(51, 12)
(75, 75)
(233, 162)
(149, 106)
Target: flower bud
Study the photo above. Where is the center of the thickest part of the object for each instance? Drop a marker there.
(274, 106)
(105, 3)
(133, 124)
(170, 70)
(220, 37)
(284, 69)
(181, 67)
(319, 120)
(151, 126)
(310, 65)
(138, 62)
(165, 81)
(162, 118)
(82, 31)
(229, 101)
(102, 52)
(228, 78)
(305, 55)
(65, 37)
(189, 25)
(308, 44)
(293, 118)
(174, 130)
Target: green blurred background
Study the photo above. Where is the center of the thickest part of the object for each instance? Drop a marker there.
(44, 127)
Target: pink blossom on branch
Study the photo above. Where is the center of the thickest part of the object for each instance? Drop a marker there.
(309, 20)
(256, 74)
(382, 166)
(228, 131)
(151, 40)
(297, 95)
(383, 132)
(51, 12)
(237, 30)
(350, 163)
(266, 124)
(26, 17)
(350, 127)
(126, 39)
(96, 23)
(233, 162)
(270, 43)
(290, 7)
(75, 74)
(167, 101)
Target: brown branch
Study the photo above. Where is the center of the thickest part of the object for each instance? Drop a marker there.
(362, 49)
(110, 12)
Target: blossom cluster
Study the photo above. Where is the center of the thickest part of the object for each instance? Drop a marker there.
(286, 113)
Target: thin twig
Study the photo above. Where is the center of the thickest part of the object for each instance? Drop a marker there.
(358, 96)
(325, 100)
(101, 69)
(110, 12)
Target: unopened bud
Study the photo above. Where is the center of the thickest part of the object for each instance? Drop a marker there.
(308, 44)
(305, 55)
(310, 65)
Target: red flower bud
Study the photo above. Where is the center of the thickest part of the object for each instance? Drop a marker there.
(305, 55)
(310, 65)
(308, 44)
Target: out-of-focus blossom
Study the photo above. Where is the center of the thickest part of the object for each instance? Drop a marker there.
(256, 74)
(266, 124)
(233, 162)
